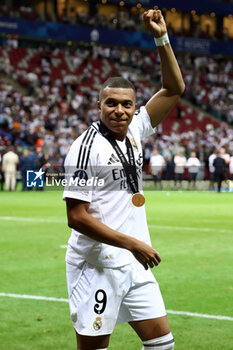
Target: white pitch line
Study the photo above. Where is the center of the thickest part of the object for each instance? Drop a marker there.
(35, 219)
(185, 313)
(174, 312)
(63, 246)
(34, 297)
(165, 227)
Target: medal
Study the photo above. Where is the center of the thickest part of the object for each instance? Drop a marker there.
(138, 199)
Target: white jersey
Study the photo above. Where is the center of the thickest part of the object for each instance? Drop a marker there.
(180, 162)
(211, 162)
(157, 162)
(231, 165)
(9, 162)
(193, 164)
(92, 157)
(226, 157)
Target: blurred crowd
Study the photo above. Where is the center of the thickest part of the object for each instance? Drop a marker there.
(208, 80)
(55, 110)
(121, 18)
(130, 19)
(209, 84)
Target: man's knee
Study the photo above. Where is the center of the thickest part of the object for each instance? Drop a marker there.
(165, 342)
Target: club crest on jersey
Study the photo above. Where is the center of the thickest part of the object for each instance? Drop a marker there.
(133, 143)
(97, 324)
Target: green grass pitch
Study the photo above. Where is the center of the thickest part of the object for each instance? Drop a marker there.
(193, 231)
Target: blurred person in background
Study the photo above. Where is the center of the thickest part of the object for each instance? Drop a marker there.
(212, 169)
(28, 161)
(180, 162)
(10, 160)
(231, 168)
(220, 170)
(193, 165)
(157, 164)
(147, 152)
(23, 166)
(40, 158)
(169, 168)
(226, 156)
(1, 172)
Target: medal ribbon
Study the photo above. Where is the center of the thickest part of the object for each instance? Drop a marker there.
(129, 166)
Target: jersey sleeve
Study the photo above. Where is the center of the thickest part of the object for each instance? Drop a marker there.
(80, 172)
(144, 123)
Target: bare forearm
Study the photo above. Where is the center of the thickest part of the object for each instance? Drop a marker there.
(80, 220)
(98, 231)
(93, 228)
(171, 75)
(172, 83)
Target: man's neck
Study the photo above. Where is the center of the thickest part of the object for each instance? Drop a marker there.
(119, 137)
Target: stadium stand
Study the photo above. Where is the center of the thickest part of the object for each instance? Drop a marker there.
(125, 16)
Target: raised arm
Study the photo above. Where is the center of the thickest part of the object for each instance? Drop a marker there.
(172, 82)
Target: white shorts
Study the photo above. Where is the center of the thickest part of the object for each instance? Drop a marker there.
(100, 298)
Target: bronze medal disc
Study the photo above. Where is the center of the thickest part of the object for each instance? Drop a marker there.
(138, 199)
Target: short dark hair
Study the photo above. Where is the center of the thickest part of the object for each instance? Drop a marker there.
(117, 82)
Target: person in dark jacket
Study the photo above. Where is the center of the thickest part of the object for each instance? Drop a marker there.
(220, 170)
(27, 162)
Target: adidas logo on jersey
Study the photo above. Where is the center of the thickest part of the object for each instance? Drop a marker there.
(113, 159)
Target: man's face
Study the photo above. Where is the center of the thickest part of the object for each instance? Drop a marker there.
(117, 107)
